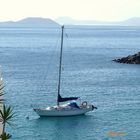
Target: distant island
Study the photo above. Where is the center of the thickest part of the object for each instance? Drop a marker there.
(131, 59)
(31, 22)
(129, 22)
(46, 22)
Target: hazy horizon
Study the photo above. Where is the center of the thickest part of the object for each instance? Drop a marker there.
(39, 21)
(66, 18)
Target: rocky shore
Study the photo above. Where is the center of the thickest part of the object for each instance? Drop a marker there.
(131, 59)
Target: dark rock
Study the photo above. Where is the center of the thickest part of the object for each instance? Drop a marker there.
(131, 59)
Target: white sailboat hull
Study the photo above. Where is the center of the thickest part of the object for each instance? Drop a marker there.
(63, 111)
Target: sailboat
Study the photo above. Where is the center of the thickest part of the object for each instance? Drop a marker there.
(67, 109)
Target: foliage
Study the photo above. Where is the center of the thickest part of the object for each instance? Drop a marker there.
(6, 115)
(5, 136)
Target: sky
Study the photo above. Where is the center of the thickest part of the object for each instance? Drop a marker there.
(102, 10)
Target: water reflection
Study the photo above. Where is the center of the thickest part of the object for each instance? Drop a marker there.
(58, 128)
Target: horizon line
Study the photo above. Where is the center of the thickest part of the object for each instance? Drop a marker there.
(64, 17)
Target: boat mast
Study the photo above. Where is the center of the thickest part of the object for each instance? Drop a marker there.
(60, 65)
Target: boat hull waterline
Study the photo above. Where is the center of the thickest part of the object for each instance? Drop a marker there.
(62, 111)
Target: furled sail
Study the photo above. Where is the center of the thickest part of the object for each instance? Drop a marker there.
(60, 99)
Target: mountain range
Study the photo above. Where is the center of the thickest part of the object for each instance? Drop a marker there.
(31, 22)
(46, 22)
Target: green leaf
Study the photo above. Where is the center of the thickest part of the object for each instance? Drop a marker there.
(6, 115)
(5, 136)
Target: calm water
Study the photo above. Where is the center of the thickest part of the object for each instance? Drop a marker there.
(29, 60)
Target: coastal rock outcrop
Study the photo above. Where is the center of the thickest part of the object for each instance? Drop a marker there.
(131, 59)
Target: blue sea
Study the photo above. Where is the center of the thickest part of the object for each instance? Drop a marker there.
(29, 59)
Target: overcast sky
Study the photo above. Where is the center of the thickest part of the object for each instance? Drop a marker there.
(104, 10)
